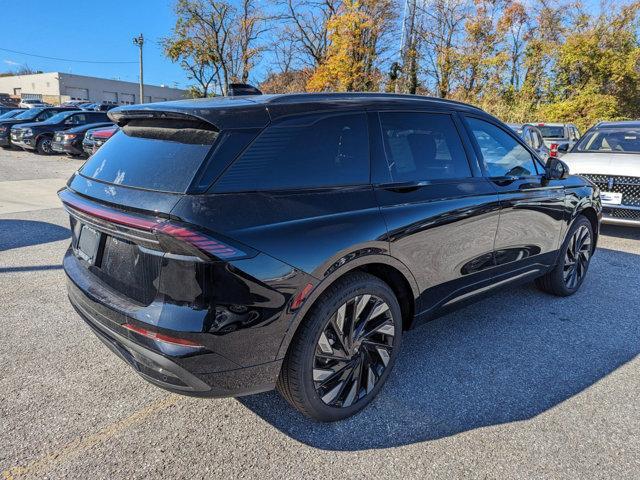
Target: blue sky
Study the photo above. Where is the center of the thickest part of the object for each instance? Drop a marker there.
(90, 30)
(93, 30)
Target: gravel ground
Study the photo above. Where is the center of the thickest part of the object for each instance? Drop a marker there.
(520, 385)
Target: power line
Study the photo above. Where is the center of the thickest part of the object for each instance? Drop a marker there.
(58, 59)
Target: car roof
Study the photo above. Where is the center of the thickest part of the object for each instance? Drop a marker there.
(627, 123)
(259, 110)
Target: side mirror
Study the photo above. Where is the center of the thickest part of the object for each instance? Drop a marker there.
(563, 147)
(556, 169)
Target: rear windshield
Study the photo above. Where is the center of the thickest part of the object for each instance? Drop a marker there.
(622, 140)
(153, 158)
(551, 132)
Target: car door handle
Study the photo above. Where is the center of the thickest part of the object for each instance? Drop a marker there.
(403, 186)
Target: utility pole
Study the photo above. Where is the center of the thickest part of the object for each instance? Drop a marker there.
(140, 42)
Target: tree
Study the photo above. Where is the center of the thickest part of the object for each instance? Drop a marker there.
(355, 38)
(215, 42)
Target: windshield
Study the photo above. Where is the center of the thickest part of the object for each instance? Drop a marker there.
(621, 140)
(551, 132)
(58, 117)
(9, 114)
(29, 114)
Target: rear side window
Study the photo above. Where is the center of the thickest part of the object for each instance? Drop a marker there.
(503, 155)
(422, 146)
(304, 152)
(163, 157)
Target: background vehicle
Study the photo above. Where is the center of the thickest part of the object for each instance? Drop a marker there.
(533, 137)
(559, 137)
(39, 135)
(70, 141)
(609, 155)
(32, 103)
(314, 228)
(11, 113)
(95, 138)
(28, 116)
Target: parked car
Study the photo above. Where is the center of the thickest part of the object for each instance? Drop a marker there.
(39, 136)
(559, 137)
(96, 137)
(5, 109)
(227, 246)
(609, 155)
(70, 141)
(11, 113)
(104, 106)
(533, 137)
(28, 116)
(32, 103)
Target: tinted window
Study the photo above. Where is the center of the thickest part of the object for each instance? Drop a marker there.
(551, 132)
(422, 146)
(150, 163)
(503, 155)
(29, 114)
(310, 151)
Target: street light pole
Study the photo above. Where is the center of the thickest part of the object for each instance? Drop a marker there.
(140, 42)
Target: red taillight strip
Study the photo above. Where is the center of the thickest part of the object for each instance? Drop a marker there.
(161, 337)
(156, 226)
(121, 218)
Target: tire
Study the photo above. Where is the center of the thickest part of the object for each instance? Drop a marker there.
(43, 146)
(328, 389)
(569, 274)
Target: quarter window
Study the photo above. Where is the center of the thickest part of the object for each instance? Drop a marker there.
(503, 155)
(422, 146)
(304, 152)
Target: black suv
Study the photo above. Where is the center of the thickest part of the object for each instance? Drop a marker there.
(38, 136)
(228, 246)
(71, 141)
(28, 116)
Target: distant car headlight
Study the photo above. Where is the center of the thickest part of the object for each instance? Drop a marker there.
(69, 136)
(27, 132)
(3, 129)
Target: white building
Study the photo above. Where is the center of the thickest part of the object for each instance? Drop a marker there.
(58, 87)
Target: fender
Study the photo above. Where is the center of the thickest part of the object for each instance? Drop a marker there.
(332, 275)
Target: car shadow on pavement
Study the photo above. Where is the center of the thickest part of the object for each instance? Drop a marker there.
(507, 358)
(24, 233)
(620, 232)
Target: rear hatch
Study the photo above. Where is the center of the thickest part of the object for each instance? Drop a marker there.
(125, 239)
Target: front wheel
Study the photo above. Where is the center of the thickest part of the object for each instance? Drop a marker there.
(344, 350)
(573, 262)
(43, 146)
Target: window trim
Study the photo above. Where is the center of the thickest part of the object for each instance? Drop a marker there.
(540, 168)
(383, 155)
(322, 114)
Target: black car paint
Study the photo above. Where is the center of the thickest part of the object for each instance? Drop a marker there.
(74, 146)
(47, 128)
(438, 244)
(5, 133)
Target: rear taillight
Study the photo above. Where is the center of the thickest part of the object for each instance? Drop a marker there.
(554, 150)
(161, 337)
(173, 237)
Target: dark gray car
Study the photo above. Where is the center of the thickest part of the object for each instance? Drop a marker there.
(533, 137)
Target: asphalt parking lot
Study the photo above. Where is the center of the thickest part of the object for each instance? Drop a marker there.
(520, 385)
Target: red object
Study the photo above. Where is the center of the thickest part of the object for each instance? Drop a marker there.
(541, 124)
(106, 133)
(301, 296)
(154, 225)
(554, 150)
(161, 337)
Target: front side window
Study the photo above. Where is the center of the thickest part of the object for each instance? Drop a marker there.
(422, 146)
(503, 155)
(303, 152)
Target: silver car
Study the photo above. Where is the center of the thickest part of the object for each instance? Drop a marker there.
(609, 155)
(559, 137)
(533, 137)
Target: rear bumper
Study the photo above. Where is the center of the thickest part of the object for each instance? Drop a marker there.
(203, 373)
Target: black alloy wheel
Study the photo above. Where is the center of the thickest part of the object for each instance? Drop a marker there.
(44, 146)
(353, 351)
(344, 349)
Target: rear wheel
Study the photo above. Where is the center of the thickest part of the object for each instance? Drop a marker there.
(344, 350)
(573, 262)
(43, 146)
